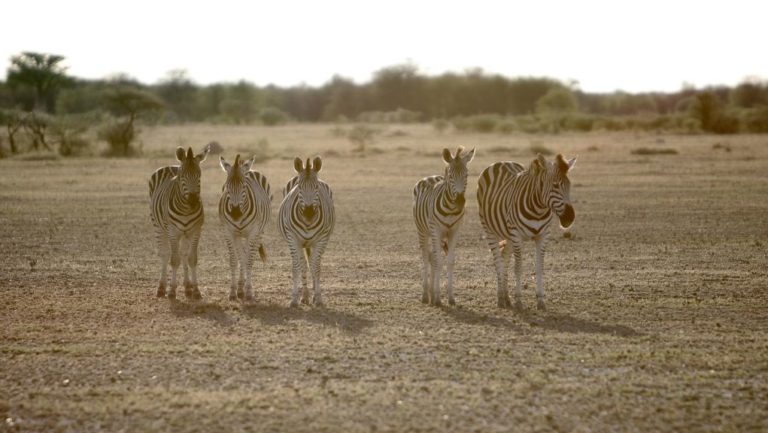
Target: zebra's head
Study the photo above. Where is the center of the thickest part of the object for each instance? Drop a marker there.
(188, 176)
(307, 188)
(555, 186)
(235, 186)
(456, 172)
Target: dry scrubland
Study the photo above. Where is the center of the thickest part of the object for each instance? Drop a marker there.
(657, 319)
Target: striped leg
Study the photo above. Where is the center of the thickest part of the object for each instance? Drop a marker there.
(297, 256)
(306, 254)
(184, 252)
(453, 237)
(541, 242)
(175, 261)
(437, 266)
(518, 253)
(500, 263)
(164, 251)
(425, 269)
(249, 248)
(233, 261)
(314, 268)
(194, 242)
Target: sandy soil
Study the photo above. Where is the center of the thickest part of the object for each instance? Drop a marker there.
(657, 313)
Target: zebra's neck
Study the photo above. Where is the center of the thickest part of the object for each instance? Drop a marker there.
(448, 201)
(180, 203)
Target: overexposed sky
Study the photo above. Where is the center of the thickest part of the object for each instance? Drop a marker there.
(647, 45)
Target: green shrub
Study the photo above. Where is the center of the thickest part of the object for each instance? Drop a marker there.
(272, 116)
(119, 135)
(756, 119)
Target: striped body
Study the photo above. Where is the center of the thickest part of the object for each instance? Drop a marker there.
(306, 221)
(438, 210)
(177, 214)
(244, 210)
(518, 204)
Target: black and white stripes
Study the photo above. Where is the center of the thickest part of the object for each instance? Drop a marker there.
(518, 204)
(244, 210)
(306, 222)
(438, 208)
(177, 214)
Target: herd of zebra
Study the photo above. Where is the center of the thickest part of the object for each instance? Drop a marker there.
(515, 204)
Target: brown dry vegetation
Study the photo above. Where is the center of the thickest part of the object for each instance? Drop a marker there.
(657, 307)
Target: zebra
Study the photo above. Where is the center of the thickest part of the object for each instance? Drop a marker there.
(518, 204)
(438, 208)
(306, 222)
(177, 214)
(244, 210)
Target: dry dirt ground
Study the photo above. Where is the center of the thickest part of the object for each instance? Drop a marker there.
(657, 313)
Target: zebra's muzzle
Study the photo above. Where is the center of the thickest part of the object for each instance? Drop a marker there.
(235, 212)
(308, 212)
(193, 199)
(460, 200)
(567, 217)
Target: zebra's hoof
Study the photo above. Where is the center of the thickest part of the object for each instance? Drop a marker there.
(438, 303)
(424, 299)
(161, 292)
(196, 295)
(240, 294)
(318, 302)
(172, 295)
(452, 302)
(232, 297)
(248, 297)
(188, 285)
(504, 302)
(540, 305)
(305, 300)
(294, 304)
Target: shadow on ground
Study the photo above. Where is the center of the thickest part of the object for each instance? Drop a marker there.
(207, 310)
(473, 318)
(273, 314)
(574, 325)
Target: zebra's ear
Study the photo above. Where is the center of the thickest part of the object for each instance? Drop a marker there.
(180, 154)
(542, 160)
(535, 167)
(468, 157)
(317, 164)
(572, 162)
(447, 155)
(298, 165)
(200, 157)
(247, 164)
(224, 164)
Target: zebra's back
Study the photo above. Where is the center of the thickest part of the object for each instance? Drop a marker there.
(161, 176)
(423, 202)
(493, 195)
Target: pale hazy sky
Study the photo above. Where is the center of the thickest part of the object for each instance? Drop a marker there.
(647, 45)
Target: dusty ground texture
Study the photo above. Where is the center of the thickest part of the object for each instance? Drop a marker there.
(657, 313)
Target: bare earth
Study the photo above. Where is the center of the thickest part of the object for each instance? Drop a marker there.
(657, 313)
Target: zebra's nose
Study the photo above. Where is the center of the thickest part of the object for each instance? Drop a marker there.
(235, 212)
(194, 198)
(567, 217)
(460, 199)
(309, 212)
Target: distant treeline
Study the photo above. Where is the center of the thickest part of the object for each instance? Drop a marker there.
(470, 101)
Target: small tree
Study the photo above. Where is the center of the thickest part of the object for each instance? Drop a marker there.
(558, 100)
(272, 116)
(13, 120)
(361, 135)
(42, 72)
(128, 104)
(37, 123)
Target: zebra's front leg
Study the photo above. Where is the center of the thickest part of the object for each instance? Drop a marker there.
(297, 255)
(541, 242)
(175, 261)
(164, 251)
(232, 266)
(500, 263)
(437, 267)
(314, 268)
(306, 253)
(453, 237)
(193, 291)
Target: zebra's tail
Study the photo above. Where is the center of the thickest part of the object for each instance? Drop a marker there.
(502, 245)
(262, 253)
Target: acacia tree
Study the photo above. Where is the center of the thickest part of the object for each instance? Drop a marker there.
(41, 72)
(128, 104)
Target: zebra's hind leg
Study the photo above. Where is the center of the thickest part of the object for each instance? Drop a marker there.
(518, 254)
(184, 252)
(164, 251)
(540, 246)
(314, 267)
(306, 254)
(425, 266)
(241, 249)
(437, 267)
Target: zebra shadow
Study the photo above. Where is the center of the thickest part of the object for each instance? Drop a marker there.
(574, 325)
(275, 315)
(470, 317)
(207, 310)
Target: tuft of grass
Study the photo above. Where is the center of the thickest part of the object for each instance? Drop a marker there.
(649, 151)
(539, 147)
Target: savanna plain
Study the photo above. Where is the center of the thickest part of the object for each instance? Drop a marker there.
(657, 297)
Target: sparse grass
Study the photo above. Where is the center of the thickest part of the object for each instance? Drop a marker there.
(650, 337)
(654, 151)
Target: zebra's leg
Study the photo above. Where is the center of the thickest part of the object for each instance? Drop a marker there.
(184, 246)
(241, 249)
(232, 265)
(194, 241)
(297, 256)
(164, 251)
(425, 265)
(175, 261)
(541, 243)
(500, 263)
(437, 266)
(517, 252)
(314, 267)
(250, 245)
(305, 255)
(453, 237)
